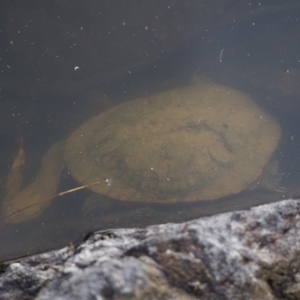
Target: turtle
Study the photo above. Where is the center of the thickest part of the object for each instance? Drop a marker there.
(198, 142)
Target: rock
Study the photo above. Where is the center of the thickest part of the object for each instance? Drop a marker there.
(251, 254)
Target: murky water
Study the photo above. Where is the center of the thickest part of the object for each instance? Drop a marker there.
(62, 64)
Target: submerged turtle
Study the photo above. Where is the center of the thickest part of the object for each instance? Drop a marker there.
(199, 142)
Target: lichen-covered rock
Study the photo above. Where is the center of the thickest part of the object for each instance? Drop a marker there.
(239, 255)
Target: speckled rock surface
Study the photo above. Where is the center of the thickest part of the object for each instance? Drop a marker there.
(240, 255)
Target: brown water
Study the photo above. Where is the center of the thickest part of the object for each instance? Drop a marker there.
(63, 64)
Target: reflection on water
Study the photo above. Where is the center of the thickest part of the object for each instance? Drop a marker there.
(48, 91)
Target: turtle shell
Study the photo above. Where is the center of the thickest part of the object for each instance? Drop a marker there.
(199, 142)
